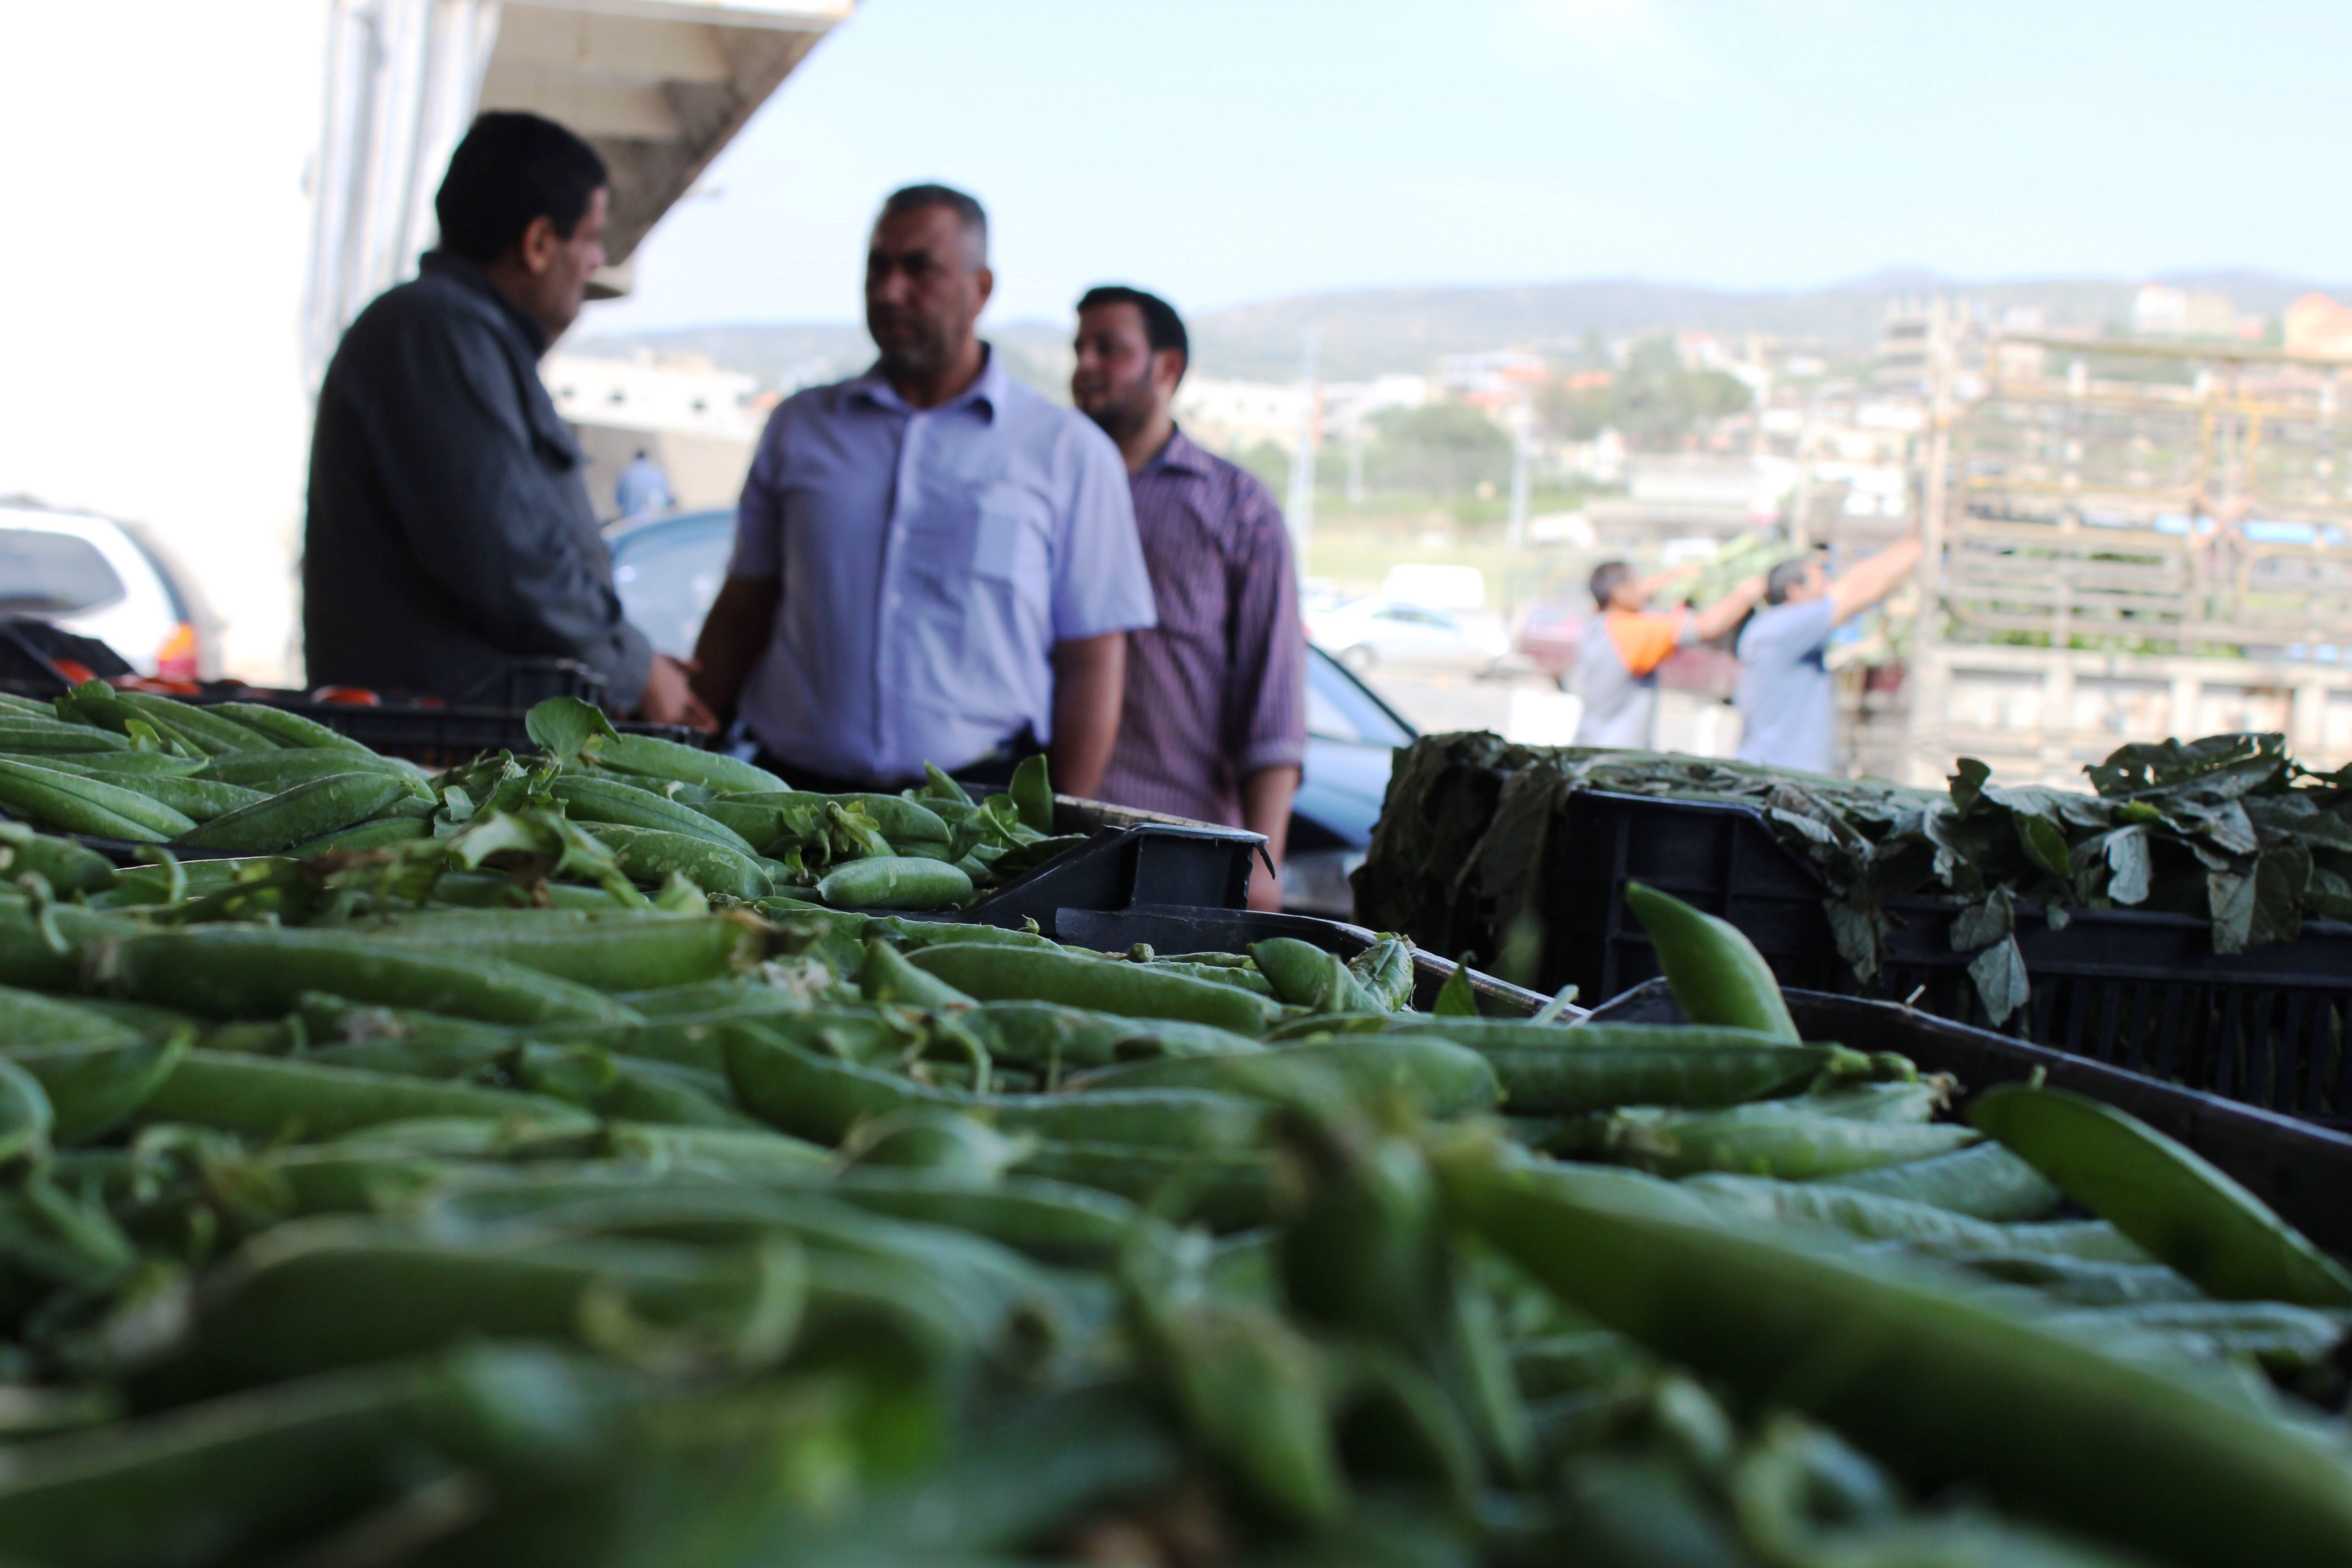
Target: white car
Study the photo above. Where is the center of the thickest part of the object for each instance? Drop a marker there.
(1370, 632)
(98, 579)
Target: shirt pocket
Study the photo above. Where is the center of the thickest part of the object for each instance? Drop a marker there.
(1008, 539)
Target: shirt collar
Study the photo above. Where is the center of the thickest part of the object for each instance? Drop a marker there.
(986, 392)
(470, 276)
(1181, 454)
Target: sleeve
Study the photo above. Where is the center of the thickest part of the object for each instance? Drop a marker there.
(1645, 639)
(1100, 584)
(482, 509)
(1265, 693)
(760, 514)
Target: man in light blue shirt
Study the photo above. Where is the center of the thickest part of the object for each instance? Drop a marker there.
(1787, 698)
(643, 489)
(932, 562)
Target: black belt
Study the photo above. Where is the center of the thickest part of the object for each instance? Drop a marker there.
(995, 768)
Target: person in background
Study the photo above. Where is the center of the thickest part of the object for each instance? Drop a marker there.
(643, 489)
(1214, 725)
(1617, 655)
(1787, 701)
(450, 534)
(932, 562)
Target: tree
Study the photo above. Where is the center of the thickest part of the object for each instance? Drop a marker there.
(1439, 446)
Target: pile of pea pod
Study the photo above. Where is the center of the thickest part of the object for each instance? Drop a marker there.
(240, 778)
(369, 1208)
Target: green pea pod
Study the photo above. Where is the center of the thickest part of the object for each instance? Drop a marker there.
(1942, 1385)
(259, 972)
(94, 1085)
(938, 785)
(1046, 1039)
(278, 772)
(651, 757)
(1225, 1189)
(78, 804)
(198, 799)
(43, 948)
(1795, 1148)
(1715, 971)
(335, 1292)
(734, 1154)
(588, 798)
(69, 868)
(257, 1473)
(809, 1096)
(26, 1117)
(1051, 1222)
(1104, 985)
(1299, 971)
(1436, 1078)
(1544, 1081)
(218, 736)
(947, 1145)
(306, 812)
(120, 766)
(1248, 980)
(1145, 1037)
(289, 730)
(2282, 1338)
(938, 934)
(2162, 1195)
(1033, 794)
(895, 882)
(632, 950)
(1985, 1182)
(651, 854)
(265, 1097)
(1182, 1118)
(381, 834)
(39, 737)
(897, 816)
(887, 978)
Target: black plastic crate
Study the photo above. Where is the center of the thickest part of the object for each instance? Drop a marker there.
(2140, 990)
(2302, 1171)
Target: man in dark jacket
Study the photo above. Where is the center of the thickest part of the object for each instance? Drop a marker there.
(450, 531)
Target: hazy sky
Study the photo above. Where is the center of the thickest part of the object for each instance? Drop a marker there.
(1229, 151)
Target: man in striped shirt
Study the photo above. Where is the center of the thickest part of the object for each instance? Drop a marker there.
(1214, 722)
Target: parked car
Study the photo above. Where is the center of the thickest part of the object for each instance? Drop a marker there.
(1549, 635)
(1366, 633)
(667, 570)
(99, 578)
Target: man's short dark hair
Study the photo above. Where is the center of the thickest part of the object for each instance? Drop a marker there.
(968, 212)
(1162, 327)
(511, 169)
(1606, 578)
(1787, 575)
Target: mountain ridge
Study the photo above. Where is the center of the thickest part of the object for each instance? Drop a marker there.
(1362, 332)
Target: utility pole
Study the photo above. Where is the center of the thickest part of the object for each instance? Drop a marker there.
(1519, 422)
(1300, 508)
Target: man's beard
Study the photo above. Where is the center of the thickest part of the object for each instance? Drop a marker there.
(918, 352)
(1128, 412)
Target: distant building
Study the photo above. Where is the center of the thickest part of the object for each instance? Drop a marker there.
(700, 424)
(2160, 311)
(2318, 326)
(1492, 380)
(1236, 415)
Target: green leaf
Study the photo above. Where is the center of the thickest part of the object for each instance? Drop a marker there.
(2044, 841)
(2001, 981)
(567, 727)
(1982, 925)
(2231, 895)
(1455, 998)
(1968, 784)
(2129, 864)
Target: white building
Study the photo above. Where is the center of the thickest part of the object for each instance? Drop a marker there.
(701, 425)
(199, 207)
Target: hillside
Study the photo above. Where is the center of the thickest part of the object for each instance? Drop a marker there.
(1362, 332)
